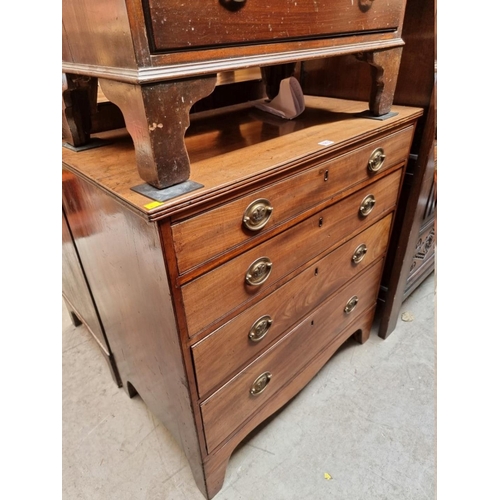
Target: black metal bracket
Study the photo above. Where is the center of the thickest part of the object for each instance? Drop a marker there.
(167, 193)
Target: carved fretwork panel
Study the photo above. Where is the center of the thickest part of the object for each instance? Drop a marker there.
(424, 254)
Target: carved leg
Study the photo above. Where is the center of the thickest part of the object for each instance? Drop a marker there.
(79, 98)
(157, 117)
(384, 69)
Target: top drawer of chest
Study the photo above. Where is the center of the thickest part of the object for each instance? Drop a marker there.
(205, 23)
(211, 233)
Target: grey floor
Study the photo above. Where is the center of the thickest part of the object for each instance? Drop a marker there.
(364, 428)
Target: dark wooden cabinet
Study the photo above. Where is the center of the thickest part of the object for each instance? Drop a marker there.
(155, 59)
(222, 303)
(78, 296)
(411, 253)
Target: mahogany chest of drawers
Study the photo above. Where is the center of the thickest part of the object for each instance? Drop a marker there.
(222, 303)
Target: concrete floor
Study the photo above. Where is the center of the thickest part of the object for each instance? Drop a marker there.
(364, 428)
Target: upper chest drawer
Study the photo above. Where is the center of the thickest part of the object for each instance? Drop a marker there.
(205, 23)
(215, 231)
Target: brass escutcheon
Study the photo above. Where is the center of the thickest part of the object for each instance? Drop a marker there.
(351, 304)
(258, 271)
(260, 328)
(376, 160)
(260, 383)
(367, 205)
(257, 214)
(359, 253)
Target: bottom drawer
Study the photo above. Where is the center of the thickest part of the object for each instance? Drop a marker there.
(247, 392)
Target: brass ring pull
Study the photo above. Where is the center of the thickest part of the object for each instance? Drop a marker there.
(260, 328)
(376, 160)
(359, 253)
(260, 384)
(367, 205)
(257, 214)
(258, 271)
(351, 304)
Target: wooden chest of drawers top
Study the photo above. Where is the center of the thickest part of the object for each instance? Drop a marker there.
(238, 152)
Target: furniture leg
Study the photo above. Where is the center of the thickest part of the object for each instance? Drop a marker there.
(75, 320)
(272, 76)
(79, 101)
(362, 335)
(384, 71)
(157, 117)
(215, 471)
(130, 390)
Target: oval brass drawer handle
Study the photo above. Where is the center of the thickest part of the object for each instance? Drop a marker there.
(376, 160)
(260, 383)
(359, 253)
(258, 271)
(367, 205)
(257, 214)
(351, 304)
(260, 328)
